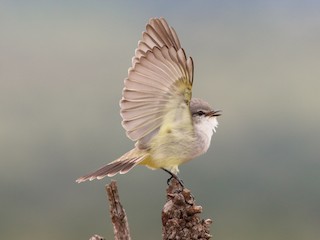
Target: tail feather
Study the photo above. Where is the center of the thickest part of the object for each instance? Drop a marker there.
(127, 167)
(122, 165)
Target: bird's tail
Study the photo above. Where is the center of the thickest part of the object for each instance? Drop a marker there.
(122, 165)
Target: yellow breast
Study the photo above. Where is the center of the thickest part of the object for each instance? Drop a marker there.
(173, 143)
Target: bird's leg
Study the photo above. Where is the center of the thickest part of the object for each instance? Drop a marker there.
(172, 175)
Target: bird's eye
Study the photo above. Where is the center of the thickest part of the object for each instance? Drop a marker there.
(200, 113)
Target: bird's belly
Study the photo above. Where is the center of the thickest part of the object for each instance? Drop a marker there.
(173, 143)
(171, 147)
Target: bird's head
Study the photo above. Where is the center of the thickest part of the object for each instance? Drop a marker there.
(203, 116)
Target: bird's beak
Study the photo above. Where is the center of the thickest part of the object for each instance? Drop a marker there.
(214, 113)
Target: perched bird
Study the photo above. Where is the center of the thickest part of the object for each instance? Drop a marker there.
(159, 114)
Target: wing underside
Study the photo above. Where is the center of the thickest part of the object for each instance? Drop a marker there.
(161, 76)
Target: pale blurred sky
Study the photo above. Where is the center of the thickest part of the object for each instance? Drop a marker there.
(62, 65)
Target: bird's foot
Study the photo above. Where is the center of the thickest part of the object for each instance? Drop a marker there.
(172, 175)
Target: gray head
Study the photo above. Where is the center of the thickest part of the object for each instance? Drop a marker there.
(204, 120)
(201, 109)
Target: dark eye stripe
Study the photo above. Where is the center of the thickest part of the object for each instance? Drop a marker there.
(199, 113)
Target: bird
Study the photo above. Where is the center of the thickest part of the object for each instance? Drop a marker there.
(169, 126)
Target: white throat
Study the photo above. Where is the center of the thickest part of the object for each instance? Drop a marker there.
(204, 129)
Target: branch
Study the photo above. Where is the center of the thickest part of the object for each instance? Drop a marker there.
(97, 237)
(118, 214)
(180, 215)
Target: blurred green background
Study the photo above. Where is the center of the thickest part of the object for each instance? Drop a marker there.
(62, 65)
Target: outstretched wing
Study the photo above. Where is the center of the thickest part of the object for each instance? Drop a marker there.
(158, 34)
(159, 81)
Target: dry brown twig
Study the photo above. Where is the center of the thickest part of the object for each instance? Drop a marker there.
(118, 215)
(180, 215)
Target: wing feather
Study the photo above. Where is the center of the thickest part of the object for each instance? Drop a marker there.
(160, 78)
(144, 86)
